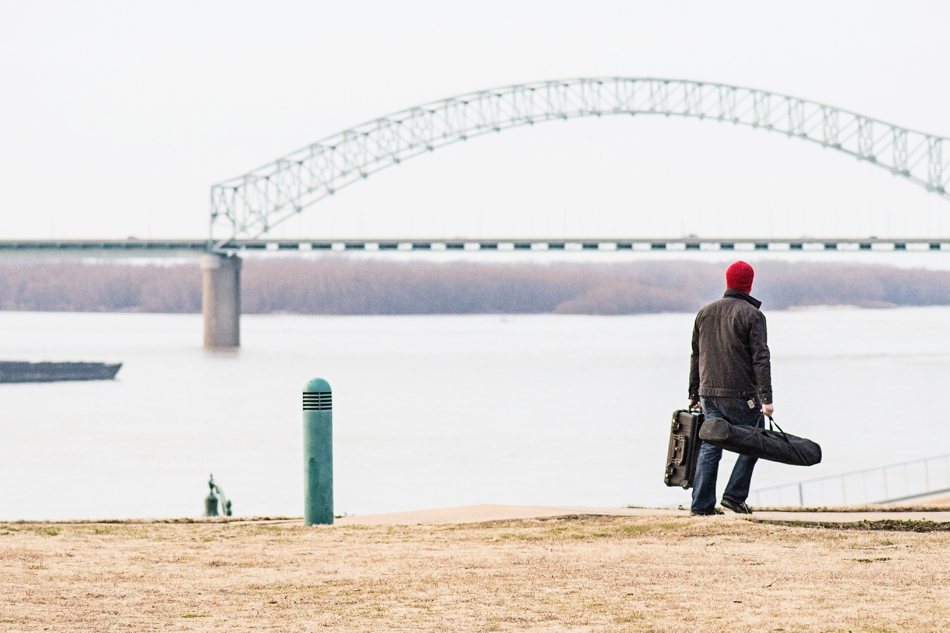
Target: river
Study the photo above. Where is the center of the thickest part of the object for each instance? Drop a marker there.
(433, 411)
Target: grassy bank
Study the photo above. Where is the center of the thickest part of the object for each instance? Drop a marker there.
(580, 574)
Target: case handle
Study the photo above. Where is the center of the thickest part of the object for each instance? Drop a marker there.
(785, 437)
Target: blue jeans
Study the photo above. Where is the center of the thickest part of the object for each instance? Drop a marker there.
(735, 411)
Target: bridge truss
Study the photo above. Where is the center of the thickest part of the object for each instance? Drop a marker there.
(248, 206)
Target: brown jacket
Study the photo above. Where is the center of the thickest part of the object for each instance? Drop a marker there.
(730, 350)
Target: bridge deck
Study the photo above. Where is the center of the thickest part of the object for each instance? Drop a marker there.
(196, 247)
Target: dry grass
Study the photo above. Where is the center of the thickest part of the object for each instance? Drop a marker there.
(579, 574)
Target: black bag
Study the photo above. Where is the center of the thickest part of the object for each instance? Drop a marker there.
(761, 443)
(684, 448)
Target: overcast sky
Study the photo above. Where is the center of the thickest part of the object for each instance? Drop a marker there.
(117, 117)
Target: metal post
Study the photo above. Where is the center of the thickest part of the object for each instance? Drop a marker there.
(221, 300)
(318, 452)
(211, 505)
(211, 501)
(801, 496)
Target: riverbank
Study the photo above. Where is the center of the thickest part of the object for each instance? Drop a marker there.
(333, 285)
(645, 571)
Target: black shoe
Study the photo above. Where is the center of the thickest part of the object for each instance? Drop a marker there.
(735, 506)
(707, 514)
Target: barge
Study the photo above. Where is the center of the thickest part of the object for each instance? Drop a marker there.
(17, 371)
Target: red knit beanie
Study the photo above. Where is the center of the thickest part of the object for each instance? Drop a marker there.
(739, 277)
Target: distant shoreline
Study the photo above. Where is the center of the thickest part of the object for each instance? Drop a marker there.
(345, 287)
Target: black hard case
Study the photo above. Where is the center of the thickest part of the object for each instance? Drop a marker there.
(684, 448)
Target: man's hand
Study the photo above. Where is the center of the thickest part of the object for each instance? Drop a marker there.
(694, 402)
(768, 409)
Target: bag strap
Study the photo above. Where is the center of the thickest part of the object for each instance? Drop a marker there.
(776, 426)
(785, 437)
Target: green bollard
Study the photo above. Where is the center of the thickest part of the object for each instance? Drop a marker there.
(318, 453)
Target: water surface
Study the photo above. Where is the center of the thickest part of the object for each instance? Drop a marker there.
(433, 410)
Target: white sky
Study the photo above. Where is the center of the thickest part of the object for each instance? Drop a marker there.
(116, 117)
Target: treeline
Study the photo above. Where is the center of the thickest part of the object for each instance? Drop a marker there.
(340, 286)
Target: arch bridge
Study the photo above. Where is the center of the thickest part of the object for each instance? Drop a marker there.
(244, 209)
(248, 206)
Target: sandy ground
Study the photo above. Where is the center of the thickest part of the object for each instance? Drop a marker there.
(482, 513)
(934, 500)
(640, 571)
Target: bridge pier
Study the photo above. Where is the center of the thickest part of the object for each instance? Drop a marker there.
(221, 300)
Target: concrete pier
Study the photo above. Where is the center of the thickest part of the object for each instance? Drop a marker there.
(221, 300)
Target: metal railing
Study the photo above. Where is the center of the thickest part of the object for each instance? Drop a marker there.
(884, 484)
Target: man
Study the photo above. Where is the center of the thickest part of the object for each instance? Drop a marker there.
(730, 375)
